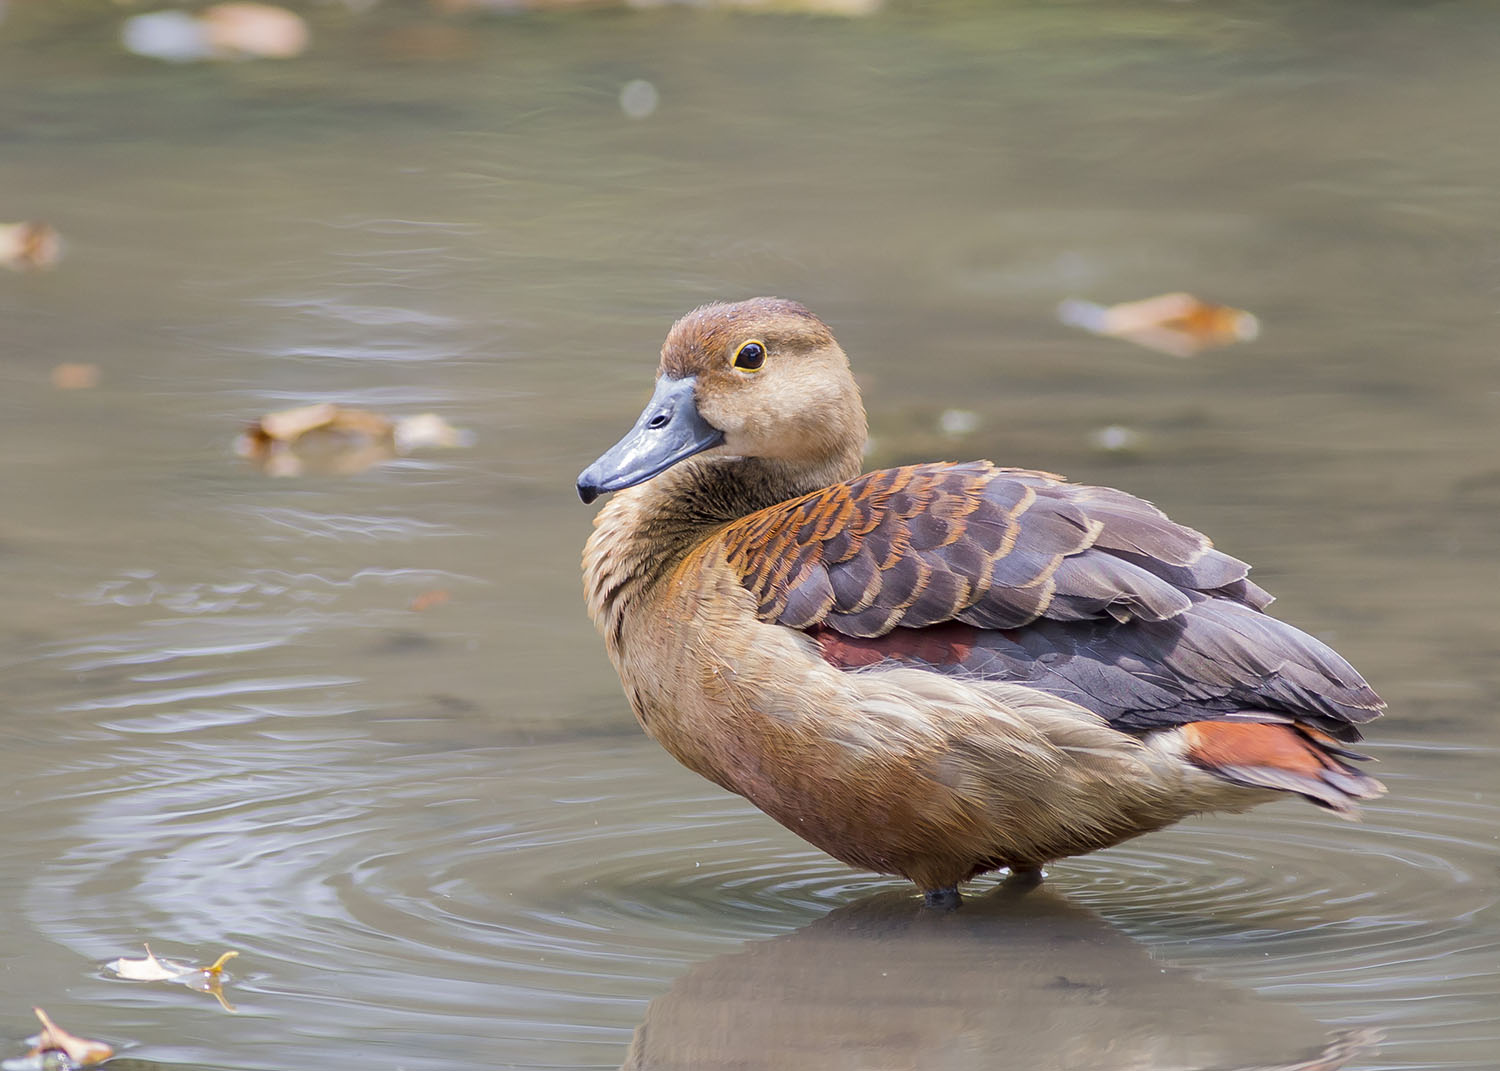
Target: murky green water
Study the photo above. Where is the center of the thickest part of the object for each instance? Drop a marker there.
(436, 836)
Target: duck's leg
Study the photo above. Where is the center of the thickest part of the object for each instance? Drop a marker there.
(1027, 877)
(942, 899)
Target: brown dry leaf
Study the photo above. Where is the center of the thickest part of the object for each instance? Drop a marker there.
(318, 438)
(338, 440)
(249, 29)
(1178, 324)
(75, 376)
(29, 244)
(290, 423)
(81, 1052)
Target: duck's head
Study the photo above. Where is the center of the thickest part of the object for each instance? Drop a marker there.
(762, 378)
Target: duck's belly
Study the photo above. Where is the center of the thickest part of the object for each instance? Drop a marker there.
(900, 770)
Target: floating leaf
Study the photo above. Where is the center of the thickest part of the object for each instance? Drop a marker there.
(334, 439)
(29, 245)
(75, 376)
(208, 979)
(149, 969)
(223, 31)
(1178, 324)
(428, 599)
(54, 1049)
(258, 30)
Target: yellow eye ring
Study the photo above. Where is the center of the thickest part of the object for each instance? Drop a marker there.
(750, 356)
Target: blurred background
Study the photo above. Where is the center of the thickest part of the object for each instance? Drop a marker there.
(343, 712)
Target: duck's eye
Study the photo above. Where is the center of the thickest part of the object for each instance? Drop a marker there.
(750, 356)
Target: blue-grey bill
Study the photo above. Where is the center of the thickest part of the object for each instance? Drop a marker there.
(669, 430)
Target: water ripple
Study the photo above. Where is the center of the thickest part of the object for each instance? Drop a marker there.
(362, 315)
(547, 890)
(371, 527)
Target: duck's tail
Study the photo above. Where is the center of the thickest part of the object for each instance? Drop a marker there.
(1285, 757)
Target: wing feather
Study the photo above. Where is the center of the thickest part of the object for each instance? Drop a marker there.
(1084, 592)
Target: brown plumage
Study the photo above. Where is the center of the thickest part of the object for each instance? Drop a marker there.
(935, 670)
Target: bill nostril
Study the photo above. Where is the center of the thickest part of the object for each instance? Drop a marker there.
(660, 420)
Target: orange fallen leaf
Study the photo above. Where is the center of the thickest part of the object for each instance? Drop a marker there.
(250, 29)
(1178, 324)
(80, 1052)
(75, 376)
(223, 31)
(29, 245)
(428, 599)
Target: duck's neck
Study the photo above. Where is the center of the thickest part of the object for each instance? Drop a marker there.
(646, 530)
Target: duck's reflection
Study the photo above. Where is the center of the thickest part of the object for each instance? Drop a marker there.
(1017, 979)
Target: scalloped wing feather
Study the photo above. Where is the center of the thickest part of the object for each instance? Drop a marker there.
(994, 548)
(1084, 592)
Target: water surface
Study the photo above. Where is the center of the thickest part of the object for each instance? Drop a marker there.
(436, 836)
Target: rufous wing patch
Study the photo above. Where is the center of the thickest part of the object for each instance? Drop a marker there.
(1283, 757)
(940, 645)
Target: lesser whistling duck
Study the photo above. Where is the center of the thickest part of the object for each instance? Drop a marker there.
(936, 670)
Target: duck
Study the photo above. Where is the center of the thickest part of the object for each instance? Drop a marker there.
(939, 670)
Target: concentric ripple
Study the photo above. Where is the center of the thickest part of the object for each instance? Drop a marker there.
(450, 904)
